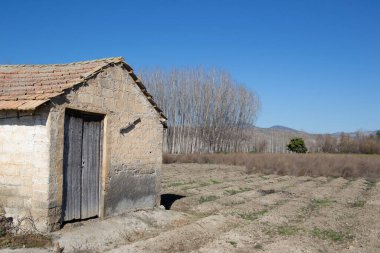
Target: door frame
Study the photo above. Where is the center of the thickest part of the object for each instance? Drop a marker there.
(102, 157)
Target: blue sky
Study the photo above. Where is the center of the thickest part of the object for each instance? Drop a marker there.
(315, 64)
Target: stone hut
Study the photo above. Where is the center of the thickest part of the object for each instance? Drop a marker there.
(77, 140)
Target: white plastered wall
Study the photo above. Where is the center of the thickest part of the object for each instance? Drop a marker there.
(24, 165)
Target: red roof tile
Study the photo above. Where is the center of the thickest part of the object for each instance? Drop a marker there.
(25, 87)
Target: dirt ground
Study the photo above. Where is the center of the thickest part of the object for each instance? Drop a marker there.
(218, 208)
(230, 211)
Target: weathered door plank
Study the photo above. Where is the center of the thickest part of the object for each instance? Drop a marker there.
(90, 169)
(72, 168)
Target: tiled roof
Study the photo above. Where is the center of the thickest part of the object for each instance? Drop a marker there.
(25, 87)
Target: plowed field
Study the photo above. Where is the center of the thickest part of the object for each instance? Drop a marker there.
(222, 209)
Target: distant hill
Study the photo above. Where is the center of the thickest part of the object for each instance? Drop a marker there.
(280, 128)
(277, 137)
(284, 128)
(353, 134)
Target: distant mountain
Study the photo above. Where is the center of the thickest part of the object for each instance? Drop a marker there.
(353, 134)
(284, 128)
(274, 139)
(280, 129)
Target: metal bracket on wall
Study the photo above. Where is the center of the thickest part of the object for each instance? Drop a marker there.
(130, 126)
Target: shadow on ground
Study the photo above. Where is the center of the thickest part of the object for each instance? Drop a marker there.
(167, 200)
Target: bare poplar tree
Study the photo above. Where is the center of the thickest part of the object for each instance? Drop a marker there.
(207, 110)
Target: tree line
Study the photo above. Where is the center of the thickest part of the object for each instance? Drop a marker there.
(358, 144)
(207, 110)
(210, 112)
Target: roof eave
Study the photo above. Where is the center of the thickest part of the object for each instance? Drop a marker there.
(33, 104)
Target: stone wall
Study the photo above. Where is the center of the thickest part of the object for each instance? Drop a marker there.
(131, 158)
(24, 164)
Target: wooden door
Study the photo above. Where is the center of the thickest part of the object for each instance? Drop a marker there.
(82, 163)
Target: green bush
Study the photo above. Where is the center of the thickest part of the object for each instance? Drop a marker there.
(297, 145)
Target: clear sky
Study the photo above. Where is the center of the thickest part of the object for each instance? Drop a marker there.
(315, 64)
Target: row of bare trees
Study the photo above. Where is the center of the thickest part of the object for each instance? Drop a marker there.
(207, 110)
(273, 141)
(358, 144)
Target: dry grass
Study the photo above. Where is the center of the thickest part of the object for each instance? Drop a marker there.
(13, 236)
(24, 241)
(328, 165)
